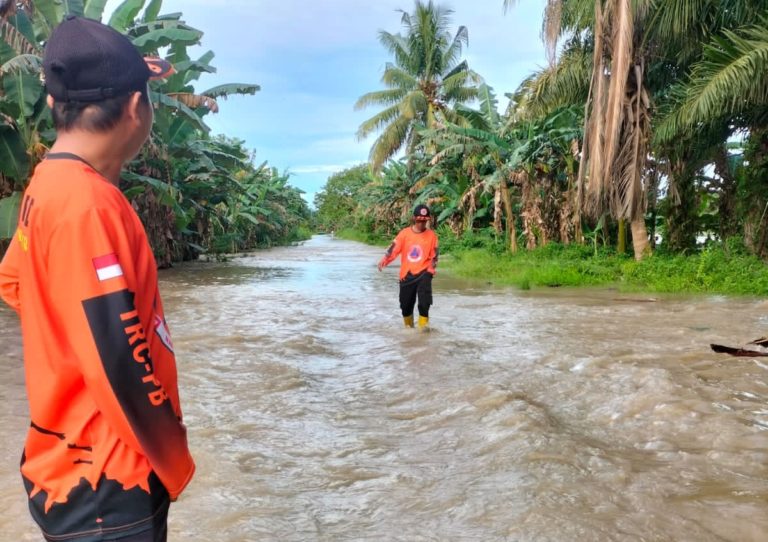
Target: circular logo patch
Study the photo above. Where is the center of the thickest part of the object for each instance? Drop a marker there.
(415, 254)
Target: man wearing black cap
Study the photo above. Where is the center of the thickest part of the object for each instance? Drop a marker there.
(106, 451)
(418, 248)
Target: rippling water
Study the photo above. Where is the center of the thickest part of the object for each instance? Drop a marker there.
(524, 416)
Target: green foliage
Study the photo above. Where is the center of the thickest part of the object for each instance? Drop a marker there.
(536, 268)
(716, 270)
(14, 162)
(9, 214)
(351, 234)
(125, 13)
(195, 193)
(337, 201)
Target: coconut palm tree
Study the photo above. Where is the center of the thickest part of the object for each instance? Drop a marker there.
(428, 81)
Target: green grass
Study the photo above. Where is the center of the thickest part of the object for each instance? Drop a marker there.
(725, 269)
(713, 271)
(368, 238)
(551, 266)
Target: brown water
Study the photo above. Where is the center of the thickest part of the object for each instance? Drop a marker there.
(550, 416)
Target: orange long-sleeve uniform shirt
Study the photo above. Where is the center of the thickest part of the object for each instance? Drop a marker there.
(418, 252)
(106, 439)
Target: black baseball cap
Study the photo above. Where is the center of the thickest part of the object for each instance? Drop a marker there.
(87, 61)
(421, 212)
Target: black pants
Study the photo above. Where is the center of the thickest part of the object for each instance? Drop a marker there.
(158, 532)
(412, 287)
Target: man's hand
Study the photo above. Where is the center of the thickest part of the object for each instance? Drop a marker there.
(380, 265)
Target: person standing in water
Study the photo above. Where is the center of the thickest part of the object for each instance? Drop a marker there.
(106, 450)
(418, 249)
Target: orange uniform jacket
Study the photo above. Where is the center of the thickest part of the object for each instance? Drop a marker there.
(106, 439)
(419, 252)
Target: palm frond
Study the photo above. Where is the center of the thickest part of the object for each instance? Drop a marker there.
(396, 77)
(378, 121)
(729, 79)
(452, 53)
(413, 106)
(565, 83)
(380, 97)
(552, 28)
(397, 46)
(389, 142)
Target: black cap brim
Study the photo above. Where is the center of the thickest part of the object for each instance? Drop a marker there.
(159, 68)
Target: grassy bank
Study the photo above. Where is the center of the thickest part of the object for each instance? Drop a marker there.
(368, 238)
(717, 269)
(713, 271)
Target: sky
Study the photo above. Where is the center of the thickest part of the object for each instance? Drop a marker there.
(314, 58)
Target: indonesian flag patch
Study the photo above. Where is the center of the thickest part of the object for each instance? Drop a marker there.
(107, 267)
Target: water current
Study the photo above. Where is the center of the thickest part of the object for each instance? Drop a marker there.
(556, 415)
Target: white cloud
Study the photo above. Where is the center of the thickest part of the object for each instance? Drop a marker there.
(323, 168)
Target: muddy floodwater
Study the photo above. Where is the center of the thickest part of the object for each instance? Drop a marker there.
(556, 415)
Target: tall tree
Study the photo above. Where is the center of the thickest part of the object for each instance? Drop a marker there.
(427, 81)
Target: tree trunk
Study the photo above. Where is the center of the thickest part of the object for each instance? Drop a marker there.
(621, 245)
(681, 213)
(578, 233)
(159, 225)
(497, 211)
(726, 208)
(640, 239)
(506, 199)
(531, 214)
(753, 201)
(653, 200)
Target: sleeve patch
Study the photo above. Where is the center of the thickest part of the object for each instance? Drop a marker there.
(107, 267)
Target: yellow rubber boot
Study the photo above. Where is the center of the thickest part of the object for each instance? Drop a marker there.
(408, 320)
(424, 323)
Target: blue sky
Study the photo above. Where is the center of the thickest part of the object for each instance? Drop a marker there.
(313, 59)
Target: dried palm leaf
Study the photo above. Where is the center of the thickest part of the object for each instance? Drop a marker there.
(195, 101)
(18, 42)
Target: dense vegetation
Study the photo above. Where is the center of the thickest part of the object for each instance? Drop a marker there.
(194, 192)
(649, 125)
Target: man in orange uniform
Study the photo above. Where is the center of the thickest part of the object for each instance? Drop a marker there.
(106, 450)
(418, 248)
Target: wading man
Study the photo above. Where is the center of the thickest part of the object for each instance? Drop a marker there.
(106, 450)
(418, 250)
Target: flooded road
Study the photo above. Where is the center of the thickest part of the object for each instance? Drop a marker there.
(562, 415)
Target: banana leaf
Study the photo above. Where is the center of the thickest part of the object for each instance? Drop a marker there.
(125, 14)
(9, 215)
(14, 161)
(153, 10)
(94, 9)
(163, 37)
